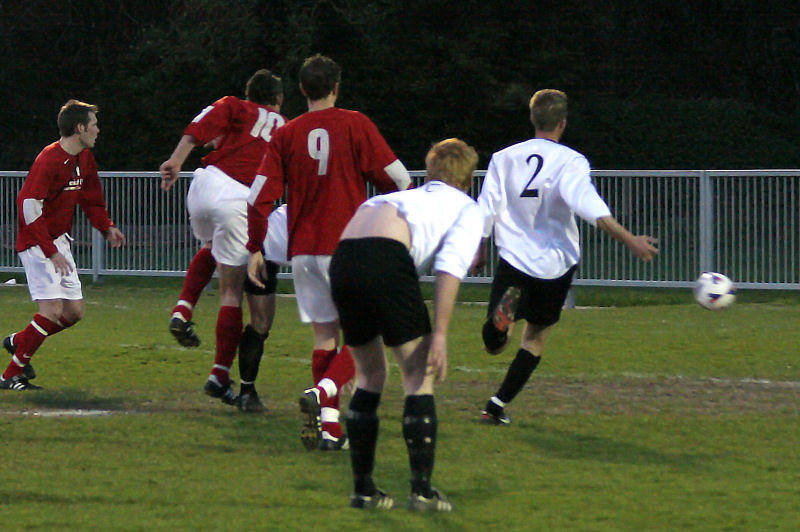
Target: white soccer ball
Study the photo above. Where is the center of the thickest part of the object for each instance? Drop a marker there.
(714, 291)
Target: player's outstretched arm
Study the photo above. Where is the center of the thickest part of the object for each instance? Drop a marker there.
(170, 169)
(643, 246)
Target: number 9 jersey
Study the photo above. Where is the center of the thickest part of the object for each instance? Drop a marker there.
(324, 159)
(530, 194)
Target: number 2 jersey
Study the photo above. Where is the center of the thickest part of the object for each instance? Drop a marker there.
(242, 129)
(324, 159)
(57, 182)
(530, 194)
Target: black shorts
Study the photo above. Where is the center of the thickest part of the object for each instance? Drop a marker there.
(376, 290)
(270, 283)
(541, 300)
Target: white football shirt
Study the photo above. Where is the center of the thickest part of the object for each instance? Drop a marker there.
(445, 226)
(276, 243)
(530, 195)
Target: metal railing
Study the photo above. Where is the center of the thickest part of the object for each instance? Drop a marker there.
(743, 223)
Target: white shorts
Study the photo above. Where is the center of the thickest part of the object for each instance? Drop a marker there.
(217, 207)
(312, 285)
(43, 281)
(276, 243)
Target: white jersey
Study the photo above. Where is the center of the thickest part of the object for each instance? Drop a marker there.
(445, 226)
(530, 195)
(276, 242)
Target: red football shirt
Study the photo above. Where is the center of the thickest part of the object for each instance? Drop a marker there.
(59, 181)
(243, 128)
(324, 159)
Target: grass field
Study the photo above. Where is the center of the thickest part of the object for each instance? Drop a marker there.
(647, 413)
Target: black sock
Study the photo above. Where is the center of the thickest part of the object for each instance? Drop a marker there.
(362, 430)
(518, 374)
(419, 431)
(251, 349)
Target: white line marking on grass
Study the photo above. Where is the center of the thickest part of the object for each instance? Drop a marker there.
(649, 376)
(717, 380)
(466, 369)
(115, 306)
(768, 383)
(67, 412)
(486, 303)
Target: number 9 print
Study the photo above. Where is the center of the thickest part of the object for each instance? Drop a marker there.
(319, 148)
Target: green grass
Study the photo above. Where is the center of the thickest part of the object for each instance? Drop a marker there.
(654, 416)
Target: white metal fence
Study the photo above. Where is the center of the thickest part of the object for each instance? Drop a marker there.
(740, 222)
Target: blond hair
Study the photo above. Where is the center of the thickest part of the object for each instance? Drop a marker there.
(451, 161)
(548, 108)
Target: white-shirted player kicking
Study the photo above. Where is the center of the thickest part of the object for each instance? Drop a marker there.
(531, 194)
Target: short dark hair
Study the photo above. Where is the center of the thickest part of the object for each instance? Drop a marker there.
(548, 108)
(318, 75)
(263, 88)
(72, 113)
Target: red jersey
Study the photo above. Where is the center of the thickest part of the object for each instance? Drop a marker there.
(324, 158)
(56, 182)
(244, 129)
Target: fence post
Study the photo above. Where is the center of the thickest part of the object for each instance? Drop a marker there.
(706, 219)
(98, 242)
(569, 302)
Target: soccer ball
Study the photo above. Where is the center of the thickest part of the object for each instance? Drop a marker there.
(714, 291)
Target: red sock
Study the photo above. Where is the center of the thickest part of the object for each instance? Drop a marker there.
(342, 369)
(320, 360)
(334, 429)
(330, 417)
(27, 341)
(229, 334)
(201, 269)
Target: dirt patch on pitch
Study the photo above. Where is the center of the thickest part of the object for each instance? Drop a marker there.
(667, 395)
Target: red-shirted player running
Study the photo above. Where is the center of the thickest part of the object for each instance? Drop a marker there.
(239, 131)
(63, 175)
(324, 157)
